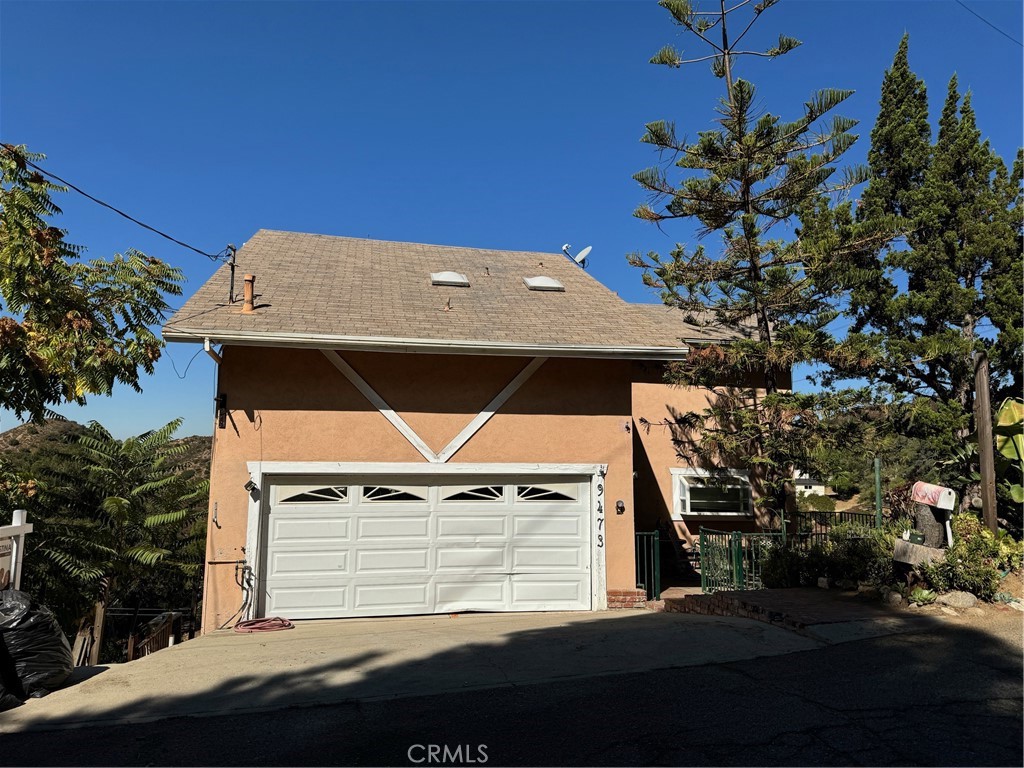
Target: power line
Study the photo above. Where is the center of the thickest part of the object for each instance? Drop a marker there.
(223, 255)
(997, 29)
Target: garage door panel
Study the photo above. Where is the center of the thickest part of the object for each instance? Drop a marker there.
(392, 596)
(306, 562)
(568, 592)
(307, 529)
(309, 602)
(477, 593)
(449, 526)
(461, 558)
(546, 526)
(544, 558)
(389, 527)
(370, 561)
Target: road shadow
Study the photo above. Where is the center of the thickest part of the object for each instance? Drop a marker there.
(950, 695)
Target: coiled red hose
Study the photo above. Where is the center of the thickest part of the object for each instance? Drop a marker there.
(273, 624)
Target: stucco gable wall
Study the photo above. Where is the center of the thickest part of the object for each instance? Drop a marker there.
(294, 405)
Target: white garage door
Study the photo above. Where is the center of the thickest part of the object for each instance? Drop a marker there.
(380, 546)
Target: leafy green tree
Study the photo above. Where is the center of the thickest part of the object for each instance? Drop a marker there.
(749, 179)
(68, 328)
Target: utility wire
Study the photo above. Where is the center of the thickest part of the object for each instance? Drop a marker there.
(223, 255)
(997, 29)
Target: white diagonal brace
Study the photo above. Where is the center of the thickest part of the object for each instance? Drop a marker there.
(492, 407)
(378, 402)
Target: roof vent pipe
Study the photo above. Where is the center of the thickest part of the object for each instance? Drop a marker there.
(248, 292)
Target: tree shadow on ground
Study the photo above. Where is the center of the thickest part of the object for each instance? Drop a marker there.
(947, 694)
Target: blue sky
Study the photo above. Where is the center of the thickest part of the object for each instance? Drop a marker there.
(491, 124)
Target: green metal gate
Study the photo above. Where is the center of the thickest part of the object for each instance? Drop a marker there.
(731, 560)
(648, 563)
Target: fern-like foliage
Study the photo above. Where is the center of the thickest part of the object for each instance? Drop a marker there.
(115, 520)
(68, 328)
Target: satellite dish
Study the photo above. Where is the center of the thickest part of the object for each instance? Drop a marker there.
(581, 257)
(565, 250)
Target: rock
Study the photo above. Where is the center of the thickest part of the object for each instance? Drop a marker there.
(915, 554)
(915, 606)
(1017, 605)
(823, 582)
(894, 598)
(846, 584)
(958, 600)
(950, 611)
(867, 590)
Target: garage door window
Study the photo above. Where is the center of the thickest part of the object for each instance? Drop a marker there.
(402, 493)
(314, 495)
(550, 492)
(472, 493)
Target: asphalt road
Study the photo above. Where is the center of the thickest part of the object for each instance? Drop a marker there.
(952, 696)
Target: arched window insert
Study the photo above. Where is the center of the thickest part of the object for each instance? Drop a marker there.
(384, 493)
(314, 495)
(552, 492)
(474, 493)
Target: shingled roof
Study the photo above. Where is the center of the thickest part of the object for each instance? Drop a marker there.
(349, 293)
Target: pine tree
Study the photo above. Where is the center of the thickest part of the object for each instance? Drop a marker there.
(960, 260)
(901, 143)
(742, 179)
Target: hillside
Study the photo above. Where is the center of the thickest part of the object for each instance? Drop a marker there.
(26, 439)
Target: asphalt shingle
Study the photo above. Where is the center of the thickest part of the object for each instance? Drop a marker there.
(317, 286)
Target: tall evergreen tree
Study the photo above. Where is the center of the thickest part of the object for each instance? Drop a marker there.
(960, 258)
(900, 144)
(742, 179)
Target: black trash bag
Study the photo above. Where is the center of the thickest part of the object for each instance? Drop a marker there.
(35, 643)
(11, 692)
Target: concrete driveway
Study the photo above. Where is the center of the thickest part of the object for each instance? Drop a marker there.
(325, 662)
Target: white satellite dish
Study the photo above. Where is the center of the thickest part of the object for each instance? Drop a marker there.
(581, 257)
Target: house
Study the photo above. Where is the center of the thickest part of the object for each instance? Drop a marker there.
(806, 485)
(405, 428)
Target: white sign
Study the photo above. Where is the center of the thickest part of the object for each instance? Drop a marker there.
(12, 549)
(6, 562)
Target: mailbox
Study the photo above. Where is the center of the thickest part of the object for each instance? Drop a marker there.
(933, 495)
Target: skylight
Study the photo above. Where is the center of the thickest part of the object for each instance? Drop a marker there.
(449, 278)
(543, 283)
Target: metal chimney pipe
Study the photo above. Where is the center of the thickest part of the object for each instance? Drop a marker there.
(248, 292)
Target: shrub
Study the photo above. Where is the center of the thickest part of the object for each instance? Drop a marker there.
(781, 567)
(976, 560)
(815, 502)
(849, 552)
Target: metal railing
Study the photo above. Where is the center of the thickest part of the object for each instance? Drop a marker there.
(731, 560)
(648, 563)
(807, 529)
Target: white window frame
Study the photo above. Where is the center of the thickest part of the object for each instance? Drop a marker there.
(681, 506)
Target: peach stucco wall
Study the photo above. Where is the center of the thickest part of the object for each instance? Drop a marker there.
(655, 454)
(293, 405)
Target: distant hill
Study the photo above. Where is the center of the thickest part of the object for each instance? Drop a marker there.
(26, 439)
